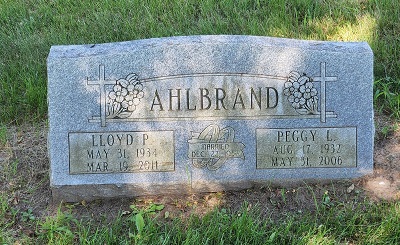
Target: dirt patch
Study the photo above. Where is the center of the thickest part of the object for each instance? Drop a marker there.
(25, 168)
(25, 182)
(384, 183)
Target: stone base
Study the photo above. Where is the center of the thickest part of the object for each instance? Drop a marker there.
(94, 192)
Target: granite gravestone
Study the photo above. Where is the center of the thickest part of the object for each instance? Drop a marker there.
(206, 113)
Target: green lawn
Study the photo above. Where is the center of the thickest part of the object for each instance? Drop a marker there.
(333, 223)
(28, 28)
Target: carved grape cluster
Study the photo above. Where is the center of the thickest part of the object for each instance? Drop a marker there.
(124, 97)
(301, 93)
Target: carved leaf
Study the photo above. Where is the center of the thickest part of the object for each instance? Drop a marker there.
(123, 82)
(110, 110)
(132, 77)
(313, 105)
(124, 114)
(116, 107)
(302, 111)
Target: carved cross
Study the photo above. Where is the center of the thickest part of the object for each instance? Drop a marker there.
(101, 82)
(323, 79)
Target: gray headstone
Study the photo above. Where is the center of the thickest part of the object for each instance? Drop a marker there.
(206, 113)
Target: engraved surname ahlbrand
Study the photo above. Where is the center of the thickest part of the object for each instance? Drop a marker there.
(259, 98)
(212, 96)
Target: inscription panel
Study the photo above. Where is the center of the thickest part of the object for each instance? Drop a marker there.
(213, 147)
(113, 152)
(212, 96)
(306, 148)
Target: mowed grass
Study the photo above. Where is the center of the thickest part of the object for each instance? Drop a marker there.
(333, 223)
(28, 28)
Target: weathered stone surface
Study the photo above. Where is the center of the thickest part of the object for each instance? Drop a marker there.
(206, 113)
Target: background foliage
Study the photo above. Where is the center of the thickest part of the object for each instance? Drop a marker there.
(28, 28)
